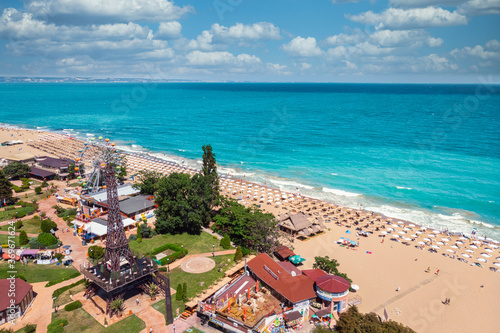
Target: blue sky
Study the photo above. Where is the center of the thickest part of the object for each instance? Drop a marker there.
(254, 40)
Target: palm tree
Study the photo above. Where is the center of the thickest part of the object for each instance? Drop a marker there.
(117, 306)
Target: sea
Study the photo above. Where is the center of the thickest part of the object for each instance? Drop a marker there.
(426, 153)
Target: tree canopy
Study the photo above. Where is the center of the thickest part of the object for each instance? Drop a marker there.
(248, 227)
(5, 190)
(16, 170)
(329, 266)
(352, 321)
(148, 181)
(179, 206)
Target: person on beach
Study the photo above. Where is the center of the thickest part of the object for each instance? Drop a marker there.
(428, 270)
(437, 272)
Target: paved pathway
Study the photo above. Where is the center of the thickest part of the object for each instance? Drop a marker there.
(40, 312)
(17, 233)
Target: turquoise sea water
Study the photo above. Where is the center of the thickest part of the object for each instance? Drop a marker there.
(425, 153)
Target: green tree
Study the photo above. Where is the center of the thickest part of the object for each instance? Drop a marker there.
(16, 170)
(46, 239)
(38, 190)
(352, 321)
(139, 234)
(329, 266)
(248, 227)
(71, 170)
(5, 190)
(225, 242)
(148, 183)
(48, 224)
(184, 292)
(209, 171)
(95, 252)
(23, 238)
(122, 172)
(179, 208)
(238, 255)
(179, 293)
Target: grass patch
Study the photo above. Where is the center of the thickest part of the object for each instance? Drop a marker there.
(177, 275)
(39, 273)
(193, 329)
(80, 321)
(22, 211)
(193, 243)
(4, 239)
(63, 294)
(31, 226)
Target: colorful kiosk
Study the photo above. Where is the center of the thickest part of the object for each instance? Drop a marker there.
(334, 291)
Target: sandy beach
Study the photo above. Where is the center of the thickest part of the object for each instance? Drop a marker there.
(379, 265)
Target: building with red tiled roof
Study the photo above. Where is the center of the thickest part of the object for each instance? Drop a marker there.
(16, 296)
(287, 287)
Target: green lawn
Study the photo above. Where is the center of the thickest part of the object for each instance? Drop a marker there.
(7, 215)
(195, 244)
(193, 329)
(31, 226)
(38, 273)
(80, 321)
(64, 297)
(177, 275)
(4, 240)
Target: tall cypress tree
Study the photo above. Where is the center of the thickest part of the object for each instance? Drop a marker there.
(5, 190)
(210, 178)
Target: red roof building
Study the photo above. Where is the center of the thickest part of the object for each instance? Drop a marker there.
(286, 286)
(19, 293)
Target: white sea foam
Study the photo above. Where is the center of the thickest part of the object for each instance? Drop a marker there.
(403, 188)
(89, 134)
(281, 182)
(334, 174)
(341, 192)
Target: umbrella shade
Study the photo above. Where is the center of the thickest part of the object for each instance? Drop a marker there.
(348, 232)
(450, 250)
(435, 246)
(296, 259)
(465, 255)
(496, 264)
(482, 259)
(454, 247)
(66, 246)
(355, 287)
(427, 239)
(384, 232)
(485, 255)
(488, 250)
(421, 243)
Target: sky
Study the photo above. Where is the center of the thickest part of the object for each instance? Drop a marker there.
(448, 41)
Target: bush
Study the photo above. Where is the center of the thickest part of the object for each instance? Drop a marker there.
(96, 252)
(162, 269)
(179, 293)
(180, 252)
(132, 237)
(225, 242)
(23, 238)
(30, 328)
(184, 292)
(35, 244)
(59, 256)
(73, 306)
(59, 209)
(19, 225)
(238, 255)
(246, 251)
(139, 235)
(147, 231)
(17, 189)
(38, 190)
(47, 239)
(44, 184)
(47, 225)
(57, 326)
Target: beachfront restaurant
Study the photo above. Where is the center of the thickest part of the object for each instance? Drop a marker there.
(137, 206)
(332, 292)
(269, 296)
(296, 225)
(57, 165)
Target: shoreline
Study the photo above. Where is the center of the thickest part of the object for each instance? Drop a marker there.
(391, 275)
(321, 193)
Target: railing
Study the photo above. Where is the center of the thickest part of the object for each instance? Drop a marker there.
(354, 300)
(102, 277)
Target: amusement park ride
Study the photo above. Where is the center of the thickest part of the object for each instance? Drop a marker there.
(120, 269)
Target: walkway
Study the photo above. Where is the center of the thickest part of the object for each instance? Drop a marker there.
(40, 311)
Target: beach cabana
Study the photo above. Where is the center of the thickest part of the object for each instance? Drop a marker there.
(296, 259)
(296, 223)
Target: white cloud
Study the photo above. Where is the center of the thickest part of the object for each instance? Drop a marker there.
(303, 47)
(480, 7)
(342, 39)
(433, 63)
(434, 42)
(169, 30)
(489, 52)
(198, 58)
(277, 69)
(239, 31)
(99, 11)
(493, 44)
(424, 3)
(395, 18)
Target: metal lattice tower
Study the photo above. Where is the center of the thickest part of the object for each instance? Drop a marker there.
(117, 248)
